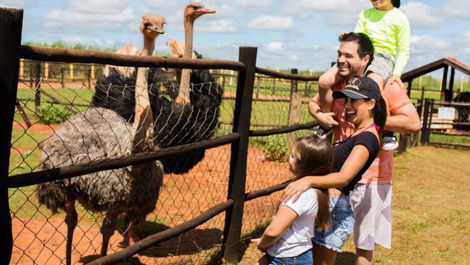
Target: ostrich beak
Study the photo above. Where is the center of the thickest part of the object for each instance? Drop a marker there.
(204, 10)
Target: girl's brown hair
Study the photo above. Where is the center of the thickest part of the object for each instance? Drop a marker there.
(314, 156)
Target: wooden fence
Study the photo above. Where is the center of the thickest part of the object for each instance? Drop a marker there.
(11, 52)
(447, 119)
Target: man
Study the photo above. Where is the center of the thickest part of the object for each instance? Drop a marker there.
(371, 198)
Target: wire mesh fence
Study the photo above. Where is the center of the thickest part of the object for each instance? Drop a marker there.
(73, 123)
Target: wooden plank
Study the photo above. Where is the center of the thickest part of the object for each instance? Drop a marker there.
(237, 179)
(11, 24)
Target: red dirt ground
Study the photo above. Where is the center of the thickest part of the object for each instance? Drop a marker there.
(40, 239)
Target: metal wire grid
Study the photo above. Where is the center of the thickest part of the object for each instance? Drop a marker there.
(40, 236)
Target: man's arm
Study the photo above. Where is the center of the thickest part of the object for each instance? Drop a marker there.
(404, 120)
(403, 115)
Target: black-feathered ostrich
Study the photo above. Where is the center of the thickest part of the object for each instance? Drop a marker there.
(99, 134)
(176, 122)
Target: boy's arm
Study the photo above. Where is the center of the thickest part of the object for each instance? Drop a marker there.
(326, 119)
(360, 23)
(403, 47)
(284, 218)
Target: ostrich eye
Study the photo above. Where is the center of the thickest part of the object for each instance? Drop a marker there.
(195, 7)
(146, 24)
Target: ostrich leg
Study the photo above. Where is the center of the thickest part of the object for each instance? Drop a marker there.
(128, 227)
(71, 220)
(107, 229)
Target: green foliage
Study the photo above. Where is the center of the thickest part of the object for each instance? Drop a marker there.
(53, 114)
(275, 148)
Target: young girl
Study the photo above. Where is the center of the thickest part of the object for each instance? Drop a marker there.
(365, 109)
(288, 239)
(389, 30)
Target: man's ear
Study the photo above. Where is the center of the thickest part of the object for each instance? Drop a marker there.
(365, 60)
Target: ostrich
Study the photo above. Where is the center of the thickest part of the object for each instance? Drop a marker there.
(99, 134)
(175, 124)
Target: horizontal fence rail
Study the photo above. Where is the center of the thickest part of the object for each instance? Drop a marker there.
(283, 130)
(298, 77)
(81, 56)
(47, 175)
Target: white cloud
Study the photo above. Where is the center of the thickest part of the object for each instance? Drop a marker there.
(251, 3)
(90, 16)
(266, 22)
(275, 46)
(457, 8)
(421, 14)
(219, 25)
(339, 12)
(427, 43)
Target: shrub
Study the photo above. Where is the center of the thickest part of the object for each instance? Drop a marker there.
(275, 148)
(53, 114)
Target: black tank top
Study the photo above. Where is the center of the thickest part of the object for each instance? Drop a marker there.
(343, 149)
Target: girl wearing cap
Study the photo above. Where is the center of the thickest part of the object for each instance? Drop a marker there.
(365, 109)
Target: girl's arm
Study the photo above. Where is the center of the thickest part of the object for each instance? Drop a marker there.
(353, 164)
(284, 218)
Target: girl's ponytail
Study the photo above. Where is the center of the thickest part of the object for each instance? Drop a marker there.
(396, 3)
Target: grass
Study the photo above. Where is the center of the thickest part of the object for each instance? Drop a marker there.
(431, 211)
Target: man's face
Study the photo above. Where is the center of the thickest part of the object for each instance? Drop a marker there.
(348, 62)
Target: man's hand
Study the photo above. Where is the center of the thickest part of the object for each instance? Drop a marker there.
(295, 189)
(326, 119)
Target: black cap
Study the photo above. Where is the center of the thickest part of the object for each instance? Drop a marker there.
(359, 87)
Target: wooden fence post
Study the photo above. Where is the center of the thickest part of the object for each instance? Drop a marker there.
(294, 110)
(425, 121)
(239, 152)
(62, 76)
(37, 85)
(71, 71)
(11, 23)
(21, 75)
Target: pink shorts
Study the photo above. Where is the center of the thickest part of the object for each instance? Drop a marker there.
(372, 210)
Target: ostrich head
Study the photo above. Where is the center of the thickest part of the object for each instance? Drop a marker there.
(192, 12)
(151, 26)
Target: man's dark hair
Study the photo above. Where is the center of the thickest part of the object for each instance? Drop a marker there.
(396, 3)
(365, 44)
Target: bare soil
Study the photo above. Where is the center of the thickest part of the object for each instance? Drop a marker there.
(41, 238)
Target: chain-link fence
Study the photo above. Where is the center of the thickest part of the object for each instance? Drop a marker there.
(72, 125)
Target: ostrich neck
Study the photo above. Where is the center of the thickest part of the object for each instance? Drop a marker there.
(149, 46)
(143, 113)
(188, 52)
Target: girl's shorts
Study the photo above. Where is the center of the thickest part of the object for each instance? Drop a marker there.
(305, 258)
(372, 207)
(341, 224)
(382, 65)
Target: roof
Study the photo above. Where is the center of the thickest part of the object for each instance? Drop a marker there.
(446, 61)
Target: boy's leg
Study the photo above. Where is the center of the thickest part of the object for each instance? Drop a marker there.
(325, 88)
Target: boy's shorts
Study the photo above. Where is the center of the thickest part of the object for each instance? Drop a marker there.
(372, 207)
(341, 224)
(382, 65)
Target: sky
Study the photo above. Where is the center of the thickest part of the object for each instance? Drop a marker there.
(289, 34)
